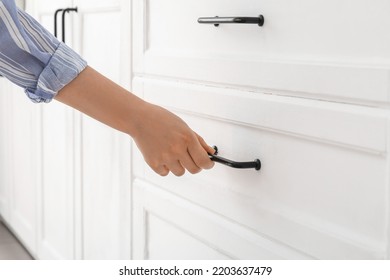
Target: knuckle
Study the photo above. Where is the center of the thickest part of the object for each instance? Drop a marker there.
(176, 151)
(156, 166)
(187, 136)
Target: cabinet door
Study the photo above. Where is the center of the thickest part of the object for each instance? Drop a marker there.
(18, 146)
(103, 33)
(5, 155)
(56, 191)
(18, 168)
(23, 187)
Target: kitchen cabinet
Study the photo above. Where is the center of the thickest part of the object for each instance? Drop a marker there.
(66, 191)
(18, 174)
(104, 41)
(18, 171)
(56, 207)
(307, 93)
(85, 204)
(4, 151)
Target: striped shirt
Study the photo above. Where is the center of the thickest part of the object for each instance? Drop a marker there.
(31, 57)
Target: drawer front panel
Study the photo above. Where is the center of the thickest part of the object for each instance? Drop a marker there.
(322, 187)
(326, 29)
(193, 233)
(311, 49)
(347, 125)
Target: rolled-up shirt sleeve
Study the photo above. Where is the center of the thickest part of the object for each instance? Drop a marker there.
(31, 57)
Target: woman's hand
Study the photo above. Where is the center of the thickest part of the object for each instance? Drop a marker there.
(168, 144)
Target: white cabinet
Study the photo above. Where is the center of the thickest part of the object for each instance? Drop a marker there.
(65, 184)
(18, 170)
(4, 149)
(307, 93)
(56, 158)
(104, 41)
(85, 193)
(18, 174)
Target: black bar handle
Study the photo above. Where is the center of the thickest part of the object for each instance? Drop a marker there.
(256, 164)
(241, 20)
(67, 10)
(55, 20)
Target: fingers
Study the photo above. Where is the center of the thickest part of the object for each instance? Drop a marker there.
(192, 156)
(176, 168)
(161, 170)
(208, 148)
(189, 164)
(198, 153)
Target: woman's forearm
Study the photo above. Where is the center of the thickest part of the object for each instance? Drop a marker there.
(165, 141)
(103, 100)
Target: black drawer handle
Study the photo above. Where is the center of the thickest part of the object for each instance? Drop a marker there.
(64, 11)
(256, 164)
(221, 20)
(55, 21)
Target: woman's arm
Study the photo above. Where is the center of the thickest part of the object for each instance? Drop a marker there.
(166, 142)
(34, 59)
(31, 57)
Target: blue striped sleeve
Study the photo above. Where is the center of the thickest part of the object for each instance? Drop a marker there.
(31, 57)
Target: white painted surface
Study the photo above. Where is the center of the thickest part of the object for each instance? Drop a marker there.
(81, 207)
(105, 153)
(55, 203)
(18, 172)
(317, 49)
(5, 141)
(304, 93)
(170, 227)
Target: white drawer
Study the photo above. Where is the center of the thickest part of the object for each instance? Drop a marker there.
(323, 184)
(318, 49)
(169, 227)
